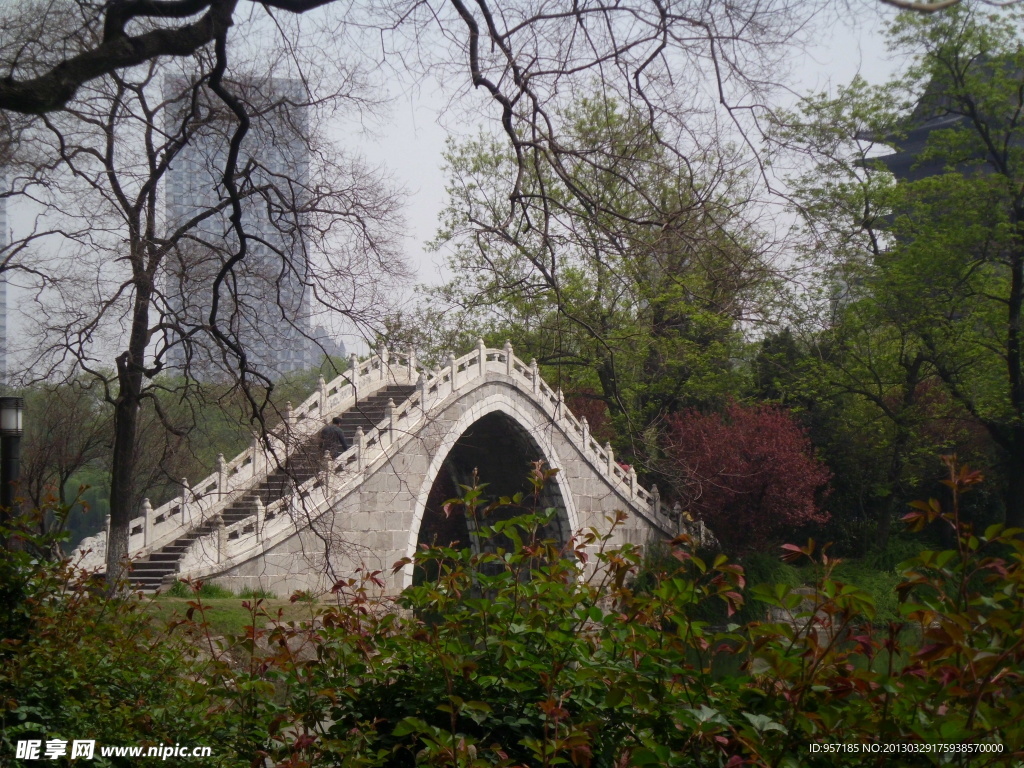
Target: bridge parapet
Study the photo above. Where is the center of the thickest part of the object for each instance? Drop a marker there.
(435, 390)
(156, 527)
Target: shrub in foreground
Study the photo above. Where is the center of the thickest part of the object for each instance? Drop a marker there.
(510, 658)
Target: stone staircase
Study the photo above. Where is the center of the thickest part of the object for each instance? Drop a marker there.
(154, 570)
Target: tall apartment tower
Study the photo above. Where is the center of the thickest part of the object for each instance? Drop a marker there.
(3, 292)
(266, 305)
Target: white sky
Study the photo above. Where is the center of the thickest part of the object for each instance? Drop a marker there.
(410, 141)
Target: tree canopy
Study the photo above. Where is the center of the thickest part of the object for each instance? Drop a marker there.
(920, 252)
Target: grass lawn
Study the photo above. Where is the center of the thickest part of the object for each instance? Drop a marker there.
(228, 615)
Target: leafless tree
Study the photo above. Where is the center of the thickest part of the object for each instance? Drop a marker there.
(934, 6)
(129, 301)
(70, 429)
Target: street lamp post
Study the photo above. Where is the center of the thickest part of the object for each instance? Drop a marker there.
(10, 450)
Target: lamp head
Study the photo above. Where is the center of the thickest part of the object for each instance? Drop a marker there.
(10, 415)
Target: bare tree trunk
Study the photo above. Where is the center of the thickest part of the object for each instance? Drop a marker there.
(126, 422)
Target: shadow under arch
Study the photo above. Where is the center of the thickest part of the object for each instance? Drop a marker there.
(501, 442)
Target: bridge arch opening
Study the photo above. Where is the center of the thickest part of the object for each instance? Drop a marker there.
(502, 452)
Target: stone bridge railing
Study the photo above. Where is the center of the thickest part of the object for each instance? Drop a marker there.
(231, 544)
(156, 527)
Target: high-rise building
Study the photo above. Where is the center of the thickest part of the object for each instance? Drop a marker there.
(265, 304)
(3, 292)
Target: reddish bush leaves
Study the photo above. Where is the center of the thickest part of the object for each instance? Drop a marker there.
(749, 473)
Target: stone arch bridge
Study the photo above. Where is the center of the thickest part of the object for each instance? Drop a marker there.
(281, 518)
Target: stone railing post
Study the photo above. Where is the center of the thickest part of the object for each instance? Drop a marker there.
(287, 417)
(535, 375)
(353, 374)
(611, 460)
(261, 518)
(586, 432)
(222, 476)
(256, 451)
(147, 523)
(322, 386)
(559, 403)
(632, 482)
(389, 414)
(422, 382)
(481, 352)
(186, 512)
(451, 366)
(656, 499)
(509, 365)
(412, 363)
(222, 539)
(360, 442)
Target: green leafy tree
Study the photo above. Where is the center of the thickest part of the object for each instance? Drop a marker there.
(632, 294)
(917, 322)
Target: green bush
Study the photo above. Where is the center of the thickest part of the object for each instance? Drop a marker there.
(509, 658)
(77, 664)
(879, 585)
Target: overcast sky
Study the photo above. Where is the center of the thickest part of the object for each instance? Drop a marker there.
(410, 141)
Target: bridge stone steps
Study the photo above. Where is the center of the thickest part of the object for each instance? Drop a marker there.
(149, 572)
(368, 413)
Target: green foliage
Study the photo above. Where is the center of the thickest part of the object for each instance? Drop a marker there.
(509, 658)
(520, 663)
(256, 594)
(913, 334)
(634, 294)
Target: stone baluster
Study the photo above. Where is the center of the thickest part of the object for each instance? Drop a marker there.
(186, 510)
(222, 539)
(611, 460)
(586, 433)
(328, 472)
(509, 357)
(412, 363)
(535, 375)
(106, 528)
(422, 382)
(559, 403)
(261, 518)
(677, 516)
(481, 353)
(389, 414)
(451, 366)
(222, 476)
(353, 374)
(655, 499)
(632, 482)
(147, 523)
(257, 453)
(288, 417)
(322, 386)
(385, 359)
(360, 442)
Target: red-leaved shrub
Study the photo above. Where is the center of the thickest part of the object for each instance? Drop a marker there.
(749, 473)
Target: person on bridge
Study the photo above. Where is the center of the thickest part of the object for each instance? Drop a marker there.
(332, 438)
